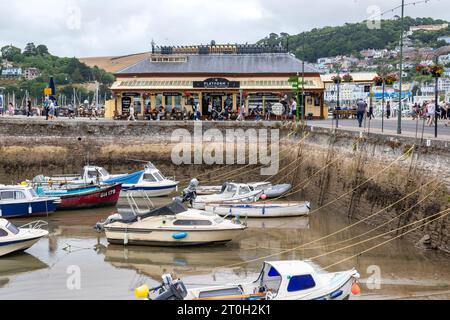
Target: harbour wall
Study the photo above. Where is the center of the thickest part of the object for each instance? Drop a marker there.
(344, 172)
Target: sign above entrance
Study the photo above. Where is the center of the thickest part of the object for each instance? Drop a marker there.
(131, 94)
(217, 83)
(171, 94)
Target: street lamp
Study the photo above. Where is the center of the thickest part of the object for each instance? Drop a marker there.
(337, 81)
(399, 116)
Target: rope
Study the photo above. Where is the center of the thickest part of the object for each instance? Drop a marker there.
(331, 234)
(228, 165)
(237, 172)
(378, 227)
(395, 238)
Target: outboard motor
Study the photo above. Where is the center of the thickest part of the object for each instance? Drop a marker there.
(190, 193)
(172, 290)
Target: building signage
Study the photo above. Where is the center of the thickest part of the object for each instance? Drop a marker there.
(265, 94)
(131, 94)
(217, 83)
(126, 103)
(171, 94)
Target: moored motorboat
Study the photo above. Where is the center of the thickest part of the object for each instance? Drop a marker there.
(260, 209)
(14, 239)
(149, 182)
(231, 192)
(23, 201)
(271, 191)
(171, 225)
(278, 280)
(86, 197)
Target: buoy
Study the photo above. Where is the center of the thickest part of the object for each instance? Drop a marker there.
(142, 292)
(179, 236)
(264, 196)
(24, 183)
(356, 289)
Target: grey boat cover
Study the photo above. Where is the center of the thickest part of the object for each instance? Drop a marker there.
(169, 210)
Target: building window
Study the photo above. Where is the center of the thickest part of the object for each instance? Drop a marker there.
(192, 223)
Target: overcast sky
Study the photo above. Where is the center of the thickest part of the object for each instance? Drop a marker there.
(114, 27)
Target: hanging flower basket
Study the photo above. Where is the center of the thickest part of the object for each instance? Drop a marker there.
(245, 94)
(347, 78)
(186, 94)
(378, 80)
(281, 94)
(423, 69)
(145, 95)
(336, 79)
(436, 70)
(391, 79)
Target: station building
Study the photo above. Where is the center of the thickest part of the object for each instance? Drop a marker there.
(223, 75)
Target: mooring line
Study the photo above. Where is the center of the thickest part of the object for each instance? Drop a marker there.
(331, 234)
(376, 228)
(228, 165)
(390, 240)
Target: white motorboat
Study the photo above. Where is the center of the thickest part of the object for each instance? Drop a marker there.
(260, 209)
(149, 182)
(231, 192)
(172, 225)
(270, 190)
(14, 239)
(278, 280)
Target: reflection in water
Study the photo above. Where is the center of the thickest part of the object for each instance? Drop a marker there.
(111, 272)
(17, 264)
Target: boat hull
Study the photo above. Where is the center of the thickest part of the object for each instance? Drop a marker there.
(27, 208)
(16, 246)
(166, 237)
(148, 191)
(260, 210)
(103, 197)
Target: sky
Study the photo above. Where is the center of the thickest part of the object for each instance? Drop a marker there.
(85, 28)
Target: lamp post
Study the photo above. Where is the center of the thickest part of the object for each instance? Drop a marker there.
(297, 110)
(399, 116)
(338, 102)
(303, 106)
(436, 96)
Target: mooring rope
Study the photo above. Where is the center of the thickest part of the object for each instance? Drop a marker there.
(222, 167)
(447, 212)
(331, 234)
(378, 227)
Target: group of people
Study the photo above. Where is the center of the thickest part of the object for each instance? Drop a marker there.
(429, 112)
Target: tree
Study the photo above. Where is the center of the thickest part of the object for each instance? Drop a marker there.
(30, 49)
(10, 52)
(42, 50)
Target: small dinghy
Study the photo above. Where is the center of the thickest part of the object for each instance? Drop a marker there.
(278, 280)
(271, 191)
(14, 239)
(231, 192)
(87, 197)
(171, 225)
(261, 210)
(23, 201)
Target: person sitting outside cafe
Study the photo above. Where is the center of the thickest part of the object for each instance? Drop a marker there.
(161, 113)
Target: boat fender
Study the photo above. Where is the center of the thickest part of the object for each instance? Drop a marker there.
(180, 235)
(125, 239)
(356, 290)
(1, 213)
(30, 209)
(336, 294)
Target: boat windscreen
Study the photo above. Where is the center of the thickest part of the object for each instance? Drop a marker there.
(174, 208)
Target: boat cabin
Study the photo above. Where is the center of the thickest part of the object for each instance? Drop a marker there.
(235, 189)
(288, 279)
(7, 229)
(17, 194)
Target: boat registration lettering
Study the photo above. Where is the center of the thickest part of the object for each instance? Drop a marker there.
(107, 194)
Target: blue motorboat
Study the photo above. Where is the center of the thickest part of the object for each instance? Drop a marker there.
(23, 201)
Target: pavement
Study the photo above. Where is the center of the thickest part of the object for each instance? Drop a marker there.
(410, 128)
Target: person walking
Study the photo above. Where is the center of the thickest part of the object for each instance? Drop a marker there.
(131, 117)
(29, 109)
(430, 114)
(370, 115)
(46, 107)
(51, 111)
(293, 109)
(388, 110)
(268, 111)
(361, 109)
(11, 109)
(241, 116)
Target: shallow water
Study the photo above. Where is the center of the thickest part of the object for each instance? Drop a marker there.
(112, 272)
